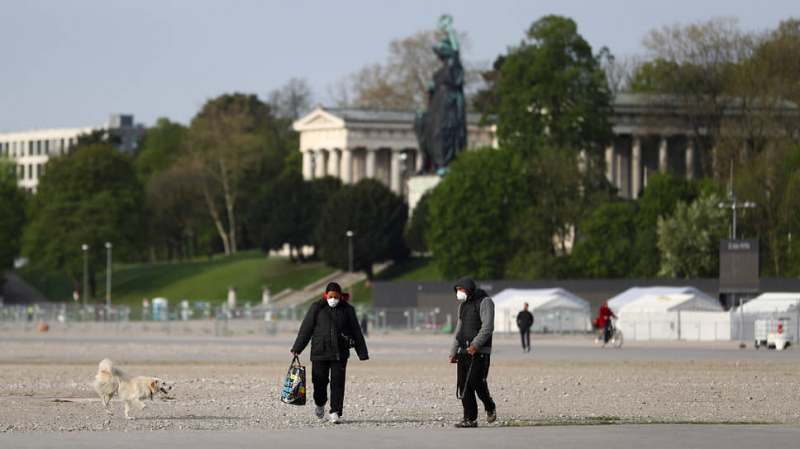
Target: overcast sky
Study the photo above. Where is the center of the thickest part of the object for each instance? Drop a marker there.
(71, 63)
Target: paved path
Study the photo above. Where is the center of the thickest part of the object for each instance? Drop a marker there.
(595, 437)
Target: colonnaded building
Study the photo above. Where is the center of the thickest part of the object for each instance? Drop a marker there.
(31, 150)
(353, 144)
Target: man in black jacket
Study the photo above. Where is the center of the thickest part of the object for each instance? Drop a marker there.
(332, 327)
(471, 349)
(524, 323)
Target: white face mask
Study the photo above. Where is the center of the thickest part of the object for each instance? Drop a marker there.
(333, 302)
(461, 296)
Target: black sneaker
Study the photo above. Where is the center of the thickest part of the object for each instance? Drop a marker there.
(491, 416)
(466, 423)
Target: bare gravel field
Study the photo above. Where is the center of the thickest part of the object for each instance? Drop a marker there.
(45, 387)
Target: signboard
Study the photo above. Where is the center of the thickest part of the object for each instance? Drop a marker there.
(738, 266)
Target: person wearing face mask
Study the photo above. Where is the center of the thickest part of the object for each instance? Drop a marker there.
(471, 350)
(332, 328)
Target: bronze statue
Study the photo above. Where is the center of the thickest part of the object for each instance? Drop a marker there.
(442, 130)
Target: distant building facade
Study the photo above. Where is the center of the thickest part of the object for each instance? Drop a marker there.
(31, 150)
(352, 144)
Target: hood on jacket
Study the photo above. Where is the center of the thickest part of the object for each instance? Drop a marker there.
(345, 296)
(467, 284)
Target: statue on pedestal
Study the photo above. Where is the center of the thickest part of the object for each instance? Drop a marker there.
(442, 129)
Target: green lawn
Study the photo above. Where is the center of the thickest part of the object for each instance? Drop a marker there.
(200, 280)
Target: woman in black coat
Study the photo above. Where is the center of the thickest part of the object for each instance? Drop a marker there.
(332, 327)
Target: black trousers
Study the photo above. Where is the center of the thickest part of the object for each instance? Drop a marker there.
(607, 331)
(476, 384)
(321, 372)
(526, 337)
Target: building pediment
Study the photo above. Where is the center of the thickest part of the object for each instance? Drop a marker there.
(318, 119)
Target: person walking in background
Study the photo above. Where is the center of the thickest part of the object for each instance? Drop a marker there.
(604, 321)
(332, 327)
(471, 350)
(524, 323)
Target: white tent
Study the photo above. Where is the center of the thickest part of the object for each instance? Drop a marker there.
(553, 308)
(764, 306)
(632, 294)
(687, 316)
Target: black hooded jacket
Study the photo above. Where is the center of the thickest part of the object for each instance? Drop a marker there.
(327, 343)
(475, 319)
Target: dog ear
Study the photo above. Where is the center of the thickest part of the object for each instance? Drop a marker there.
(153, 384)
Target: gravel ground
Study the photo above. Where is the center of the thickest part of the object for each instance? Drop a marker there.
(56, 396)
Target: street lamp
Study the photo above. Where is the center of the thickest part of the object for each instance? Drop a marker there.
(108, 278)
(85, 249)
(350, 252)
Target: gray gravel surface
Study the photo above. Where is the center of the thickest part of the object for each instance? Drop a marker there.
(407, 384)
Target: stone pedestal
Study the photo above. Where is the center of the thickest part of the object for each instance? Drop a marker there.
(232, 303)
(417, 186)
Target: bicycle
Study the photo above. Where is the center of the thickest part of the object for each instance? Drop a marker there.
(615, 337)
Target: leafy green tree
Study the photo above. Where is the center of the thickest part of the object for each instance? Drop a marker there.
(418, 225)
(160, 149)
(689, 239)
(470, 215)
(227, 141)
(553, 90)
(374, 214)
(607, 250)
(663, 192)
(12, 215)
(176, 209)
(90, 197)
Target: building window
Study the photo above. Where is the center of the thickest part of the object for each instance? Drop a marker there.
(14, 149)
(30, 171)
(38, 171)
(46, 147)
(21, 172)
(61, 147)
(30, 148)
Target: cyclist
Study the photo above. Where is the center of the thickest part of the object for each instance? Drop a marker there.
(604, 321)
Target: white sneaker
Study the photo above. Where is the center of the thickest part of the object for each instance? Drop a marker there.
(335, 418)
(319, 411)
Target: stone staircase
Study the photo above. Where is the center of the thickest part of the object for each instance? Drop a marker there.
(291, 297)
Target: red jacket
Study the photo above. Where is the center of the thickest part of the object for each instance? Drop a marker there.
(605, 313)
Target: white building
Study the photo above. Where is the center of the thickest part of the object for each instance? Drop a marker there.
(31, 150)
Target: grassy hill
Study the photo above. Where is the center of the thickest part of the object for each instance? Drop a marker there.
(413, 269)
(199, 280)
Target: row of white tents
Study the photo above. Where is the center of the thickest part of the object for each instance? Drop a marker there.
(649, 313)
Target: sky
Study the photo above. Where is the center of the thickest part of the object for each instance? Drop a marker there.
(72, 63)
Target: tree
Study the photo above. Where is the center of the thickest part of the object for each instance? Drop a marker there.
(553, 91)
(160, 149)
(175, 205)
(470, 215)
(374, 214)
(607, 250)
(90, 197)
(689, 239)
(223, 142)
(292, 100)
(12, 215)
(663, 192)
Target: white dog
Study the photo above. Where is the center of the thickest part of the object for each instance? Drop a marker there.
(111, 380)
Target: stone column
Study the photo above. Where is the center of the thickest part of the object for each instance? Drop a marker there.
(418, 161)
(689, 158)
(319, 164)
(370, 169)
(347, 166)
(662, 154)
(636, 167)
(610, 164)
(395, 172)
(307, 169)
(333, 163)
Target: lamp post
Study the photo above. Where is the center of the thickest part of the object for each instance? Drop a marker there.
(108, 278)
(350, 252)
(85, 249)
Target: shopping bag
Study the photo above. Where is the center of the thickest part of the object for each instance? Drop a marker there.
(294, 387)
